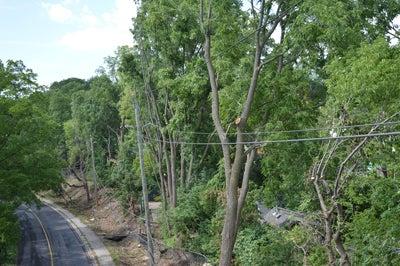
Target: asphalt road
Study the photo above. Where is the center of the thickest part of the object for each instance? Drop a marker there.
(48, 239)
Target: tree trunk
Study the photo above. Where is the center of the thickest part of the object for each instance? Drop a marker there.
(305, 263)
(229, 229)
(344, 258)
(282, 38)
(189, 174)
(245, 184)
(169, 174)
(328, 239)
(182, 171)
(109, 146)
(162, 183)
(82, 179)
(121, 132)
(173, 173)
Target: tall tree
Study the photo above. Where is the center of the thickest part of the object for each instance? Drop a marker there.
(268, 20)
(28, 148)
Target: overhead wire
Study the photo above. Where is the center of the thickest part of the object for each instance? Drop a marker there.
(179, 133)
(264, 142)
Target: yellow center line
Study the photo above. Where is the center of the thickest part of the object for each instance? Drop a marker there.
(45, 234)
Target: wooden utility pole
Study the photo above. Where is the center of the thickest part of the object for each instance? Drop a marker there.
(139, 136)
(94, 169)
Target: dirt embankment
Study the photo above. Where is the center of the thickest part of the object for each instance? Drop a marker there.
(122, 230)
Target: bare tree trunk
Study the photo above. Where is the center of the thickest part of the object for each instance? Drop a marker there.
(326, 216)
(206, 149)
(328, 239)
(245, 183)
(169, 173)
(173, 173)
(150, 248)
(162, 182)
(109, 146)
(189, 174)
(122, 131)
(305, 263)
(182, 171)
(344, 258)
(282, 38)
(86, 187)
(84, 180)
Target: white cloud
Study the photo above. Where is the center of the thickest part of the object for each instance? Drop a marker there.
(69, 2)
(87, 18)
(103, 32)
(58, 12)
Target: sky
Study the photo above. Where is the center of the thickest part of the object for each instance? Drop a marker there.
(59, 39)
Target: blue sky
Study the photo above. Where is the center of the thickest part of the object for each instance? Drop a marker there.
(59, 39)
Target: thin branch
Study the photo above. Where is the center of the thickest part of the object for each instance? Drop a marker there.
(353, 152)
(321, 199)
(277, 20)
(334, 148)
(207, 147)
(256, 70)
(215, 97)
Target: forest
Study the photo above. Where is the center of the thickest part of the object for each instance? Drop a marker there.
(220, 107)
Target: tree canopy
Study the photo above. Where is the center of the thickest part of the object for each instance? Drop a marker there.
(28, 158)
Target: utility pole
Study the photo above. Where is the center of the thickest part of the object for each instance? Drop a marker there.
(94, 169)
(139, 136)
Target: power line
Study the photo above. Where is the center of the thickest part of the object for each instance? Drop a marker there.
(264, 142)
(290, 131)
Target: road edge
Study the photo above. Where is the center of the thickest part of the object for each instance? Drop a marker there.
(94, 243)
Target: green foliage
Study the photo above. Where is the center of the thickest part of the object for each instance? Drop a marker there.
(61, 96)
(287, 104)
(29, 162)
(28, 149)
(16, 80)
(197, 220)
(125, 176)
(94, 115)
(9, 234)
(363, 87)
(364, 83)
(260, 245)
(374, 229)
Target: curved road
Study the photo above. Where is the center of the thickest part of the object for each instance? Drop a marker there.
(48, 239)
